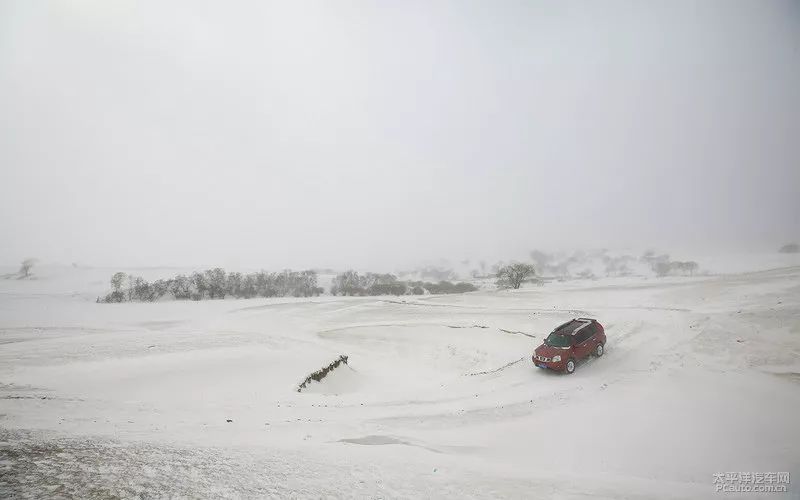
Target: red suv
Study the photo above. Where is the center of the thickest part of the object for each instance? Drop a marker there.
(570, 342)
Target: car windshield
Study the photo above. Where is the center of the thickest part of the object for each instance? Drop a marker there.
(558, 340)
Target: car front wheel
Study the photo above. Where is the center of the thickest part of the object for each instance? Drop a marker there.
(570, 366)
(599, 350)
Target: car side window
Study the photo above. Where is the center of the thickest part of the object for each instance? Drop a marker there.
(584, 334)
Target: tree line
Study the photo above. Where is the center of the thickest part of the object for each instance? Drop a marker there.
(218, 284)
(354, 284)
(214, 284)
(662, 265)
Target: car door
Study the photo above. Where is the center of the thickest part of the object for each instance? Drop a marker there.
(584, 341)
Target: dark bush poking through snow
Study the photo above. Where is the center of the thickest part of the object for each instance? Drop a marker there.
(322, 372)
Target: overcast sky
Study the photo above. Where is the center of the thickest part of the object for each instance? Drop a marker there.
(383, 134)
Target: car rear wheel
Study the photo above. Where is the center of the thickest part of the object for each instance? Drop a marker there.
(570, 366)
(599, 350)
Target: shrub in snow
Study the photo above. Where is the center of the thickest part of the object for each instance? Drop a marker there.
(322, 372)
(351, 283)
(113, 297)
(790, 248)
(667, 268)
(396, 288)
(445, 287)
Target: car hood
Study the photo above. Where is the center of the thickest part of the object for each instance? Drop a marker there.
(549, 351)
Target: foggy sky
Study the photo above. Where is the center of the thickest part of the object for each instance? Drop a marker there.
(303, 134)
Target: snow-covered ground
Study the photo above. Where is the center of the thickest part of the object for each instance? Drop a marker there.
(701, 376)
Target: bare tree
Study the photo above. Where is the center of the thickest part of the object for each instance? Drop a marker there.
(513, 275)
(668, 267)
(25, 268)
(200, 285)
(118, 281)
(662, 268)
(117, 294)
(618, 265)
(181, 287)
(648, 256)
(141, 289)
(234, 284)
(347, 283)
(216, 279)
(159, 288)
(686, 267)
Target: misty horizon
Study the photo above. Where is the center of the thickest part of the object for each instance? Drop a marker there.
(385, 136)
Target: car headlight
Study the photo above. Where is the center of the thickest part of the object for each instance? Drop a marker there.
(556, 358)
